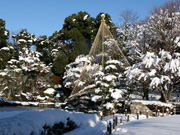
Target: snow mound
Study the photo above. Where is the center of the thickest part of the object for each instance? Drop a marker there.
(32, 122)
(158, 103)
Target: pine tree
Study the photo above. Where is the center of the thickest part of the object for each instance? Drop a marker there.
(59, 63)
(3, 34)
(78, 29)
(5, 51)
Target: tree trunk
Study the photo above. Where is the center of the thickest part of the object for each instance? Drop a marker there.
(163, 96)
(162, 99)
(145, 93)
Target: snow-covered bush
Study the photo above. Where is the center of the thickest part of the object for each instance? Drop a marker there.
(158, 71)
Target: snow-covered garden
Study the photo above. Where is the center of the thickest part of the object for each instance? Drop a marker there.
(131, 81)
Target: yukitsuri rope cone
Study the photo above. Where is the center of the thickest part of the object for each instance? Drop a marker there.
(104, 51)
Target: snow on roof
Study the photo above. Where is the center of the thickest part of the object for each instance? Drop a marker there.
(85, 17)
(50, 91)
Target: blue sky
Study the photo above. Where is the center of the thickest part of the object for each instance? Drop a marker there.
(44, 17)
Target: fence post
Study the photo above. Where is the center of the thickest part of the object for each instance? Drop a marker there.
(147, 114)
(167, 111)
(114, 123)
(113, 111)
(174, 110)
(110, 128)
(101, 115)
(137, 115)
(158, 113)
(163, 111)
(116, 120)
(121, 119)
(127, 118)
(125, 112)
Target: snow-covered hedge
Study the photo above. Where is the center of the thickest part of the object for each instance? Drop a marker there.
(30, 122)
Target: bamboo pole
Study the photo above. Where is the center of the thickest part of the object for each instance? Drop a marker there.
(103, 23)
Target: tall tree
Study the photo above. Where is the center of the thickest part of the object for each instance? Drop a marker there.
(78, 29)
(160, 37)
(4, 34)
(128, 17)
(5, 51)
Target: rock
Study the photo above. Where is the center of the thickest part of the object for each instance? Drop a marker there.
(137, 106)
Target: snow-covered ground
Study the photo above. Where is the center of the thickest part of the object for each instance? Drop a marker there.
(32, 121)
(25, 122)
(155, 126)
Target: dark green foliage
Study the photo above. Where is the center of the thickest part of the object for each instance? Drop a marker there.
(60, 62)
(40, 43)
(59, 128)
(43, 45)
(5, 56)
(3, 34)
(108, 21)
(78, 31)
(25, 35)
